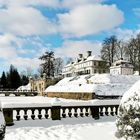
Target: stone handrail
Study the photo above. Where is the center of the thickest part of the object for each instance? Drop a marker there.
(56, 111)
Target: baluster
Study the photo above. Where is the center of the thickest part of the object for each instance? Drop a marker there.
(39, 114)
(18, 115)
(75, 112)
(112, 112)
(86, 113)
(81, 112)
(106, 111)
(101, 111)
(69, 112)
(46, 113)
(63, 113)
(33, 115)
(25, 114)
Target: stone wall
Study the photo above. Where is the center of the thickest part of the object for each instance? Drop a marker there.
(71, 95)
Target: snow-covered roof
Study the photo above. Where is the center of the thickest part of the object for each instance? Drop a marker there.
(27, 87)
(90, 58)
(93, 58)
(122, 62)
(100, 84)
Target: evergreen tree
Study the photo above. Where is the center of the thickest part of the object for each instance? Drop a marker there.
(24, 80)
(128, 119)
(13, 78)
(48, 64)
(3, 80)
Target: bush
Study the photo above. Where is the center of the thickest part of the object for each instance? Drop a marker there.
(128, 119)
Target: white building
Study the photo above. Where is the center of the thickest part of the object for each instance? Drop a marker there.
(122, 67)
(85, 65)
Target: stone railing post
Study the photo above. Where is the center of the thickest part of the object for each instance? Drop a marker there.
(55, 113)
(8, 115)
(95, 112)
(55, 109)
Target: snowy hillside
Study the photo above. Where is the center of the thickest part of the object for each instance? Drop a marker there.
(27, 87)
(100, 84)
(135, 89)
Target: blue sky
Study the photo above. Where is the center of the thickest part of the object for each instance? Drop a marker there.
(67, 27)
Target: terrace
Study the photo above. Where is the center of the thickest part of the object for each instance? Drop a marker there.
(37, 114)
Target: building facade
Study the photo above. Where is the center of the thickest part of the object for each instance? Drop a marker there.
(85, 65)
(122, 67)
(38, 85)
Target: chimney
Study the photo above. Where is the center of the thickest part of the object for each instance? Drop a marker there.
(89, 53)
(80, 56)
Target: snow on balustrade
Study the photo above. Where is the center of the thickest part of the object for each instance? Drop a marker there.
(54, 108)
(10, 102)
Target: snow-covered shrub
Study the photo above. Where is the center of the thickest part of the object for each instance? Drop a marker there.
(128, 119)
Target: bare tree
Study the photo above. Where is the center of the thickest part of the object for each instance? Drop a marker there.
(58, 65)
(133, 50)
(120, 50)
(108, 51)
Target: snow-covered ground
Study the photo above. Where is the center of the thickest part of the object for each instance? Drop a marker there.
(66, 129)
(100, 84)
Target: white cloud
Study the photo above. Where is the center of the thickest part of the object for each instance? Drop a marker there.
(124, 33)
(21, 62)
(74, 3)
(49, 3)
(12, 48)
(89, 19)
(73, 48)
(136, 11)
(6, 50)
(24, 21)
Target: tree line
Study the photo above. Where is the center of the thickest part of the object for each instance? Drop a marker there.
(12, 79)
(114, 49)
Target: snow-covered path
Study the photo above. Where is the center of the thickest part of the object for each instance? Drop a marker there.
(66, 129)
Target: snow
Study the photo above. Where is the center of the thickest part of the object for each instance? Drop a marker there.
(85, 128)
(2, 121)
(39, 101)
(93, 58)
(27, 87)
(100, 84)
(135, 89)
(66, 129)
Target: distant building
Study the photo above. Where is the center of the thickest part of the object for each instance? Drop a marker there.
(85, 65)
(122, 67)
(38, 84)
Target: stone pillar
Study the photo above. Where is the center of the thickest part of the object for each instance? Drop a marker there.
(55, 113)
(55, 110)
(95, 112)
(8, 115)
